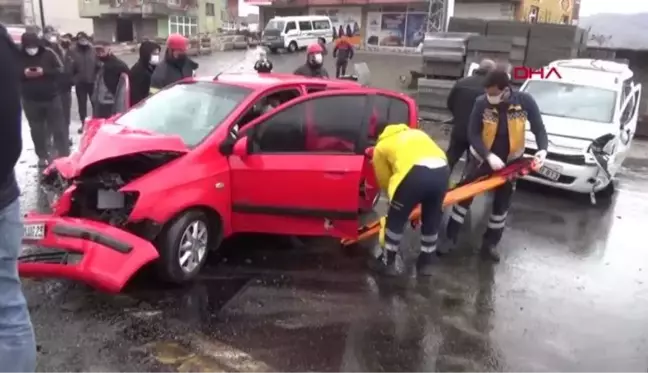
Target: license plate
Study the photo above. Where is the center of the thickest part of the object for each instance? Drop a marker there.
(34, 232)
(109, 199)
(551, 173)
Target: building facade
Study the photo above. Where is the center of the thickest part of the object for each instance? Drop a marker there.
(12, 12)
(133, 20)
(400, 25)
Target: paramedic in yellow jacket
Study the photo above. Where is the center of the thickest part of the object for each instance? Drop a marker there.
(496, 136)
(413, 170)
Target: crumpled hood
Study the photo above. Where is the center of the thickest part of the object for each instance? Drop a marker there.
(112, 141)
(392, 129)
(568, 135)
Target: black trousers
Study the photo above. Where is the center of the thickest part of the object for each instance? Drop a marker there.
(427, 186)
(458, 146)
(103, 111)
(501, 205)
(66, 103)
(47, 125)
(83, 94)
(340, 68)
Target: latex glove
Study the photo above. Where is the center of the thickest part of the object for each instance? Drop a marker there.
(495, 162)
(539, 159)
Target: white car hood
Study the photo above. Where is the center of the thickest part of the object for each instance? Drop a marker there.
(570, 136)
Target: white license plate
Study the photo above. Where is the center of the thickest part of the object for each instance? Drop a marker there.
(34, 232)
(551, 173)
(109, 199)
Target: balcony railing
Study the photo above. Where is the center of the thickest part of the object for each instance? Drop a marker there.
(144, 8)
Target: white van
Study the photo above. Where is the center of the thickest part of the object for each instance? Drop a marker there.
(592, 99)
(297, 32)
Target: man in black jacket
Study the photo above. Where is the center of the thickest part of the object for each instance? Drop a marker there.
(61, 46)
(17, 345)
(460, 103)
(41, 70)
(140, 73)
(84, 71)
(342, 53)
(110, 72)
(176, 65)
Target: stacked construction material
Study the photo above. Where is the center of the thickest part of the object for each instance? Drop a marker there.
(517, 33)
(497, 48)
(551, 42)
(432, 99)
(472, 25)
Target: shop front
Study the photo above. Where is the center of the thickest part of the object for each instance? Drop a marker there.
(347, 21)
(395, 31)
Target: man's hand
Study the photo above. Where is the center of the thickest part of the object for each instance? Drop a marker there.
(33, 72)
(539, 159)
(495, 162)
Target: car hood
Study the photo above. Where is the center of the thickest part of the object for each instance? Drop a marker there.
(109, 141)
(568, 135)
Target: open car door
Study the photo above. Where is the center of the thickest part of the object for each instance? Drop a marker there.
(300, 170)
(629, 114)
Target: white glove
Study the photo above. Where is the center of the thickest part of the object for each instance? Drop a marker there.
(495, 162)
(539, 159)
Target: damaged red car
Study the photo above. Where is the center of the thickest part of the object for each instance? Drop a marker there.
(167, 180)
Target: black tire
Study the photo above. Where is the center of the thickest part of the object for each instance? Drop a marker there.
(607, 192)
(168, 245)
(292, 47)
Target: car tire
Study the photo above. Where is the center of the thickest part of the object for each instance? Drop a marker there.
(605, 195)
(177, 265)
(292, 47)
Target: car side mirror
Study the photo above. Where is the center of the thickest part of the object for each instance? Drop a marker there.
(241, 147)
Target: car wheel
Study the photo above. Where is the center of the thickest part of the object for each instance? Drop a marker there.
(183, 246)
(606, 193)
(292, 47)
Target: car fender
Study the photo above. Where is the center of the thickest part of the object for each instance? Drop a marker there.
(171, 189)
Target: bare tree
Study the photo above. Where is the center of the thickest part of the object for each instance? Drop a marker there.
(600, 39)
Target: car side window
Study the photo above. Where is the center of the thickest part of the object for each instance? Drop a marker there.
(291, 26)
(305, 26)
(267, 103)
(321, 25)
(330, 124)
(386, 110)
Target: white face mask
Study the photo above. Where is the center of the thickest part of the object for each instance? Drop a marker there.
(494, 100)
(31, 51)
(318, 58)
(155, 59)
(52, 39)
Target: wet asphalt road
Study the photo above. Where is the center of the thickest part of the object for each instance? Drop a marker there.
(571, 294)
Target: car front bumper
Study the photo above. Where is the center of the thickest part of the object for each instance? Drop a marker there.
(98, 254)
(575, 178)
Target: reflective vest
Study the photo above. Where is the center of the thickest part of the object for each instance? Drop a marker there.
(516, 118)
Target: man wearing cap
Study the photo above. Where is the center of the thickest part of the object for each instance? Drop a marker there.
(176, 65)
(84, 70)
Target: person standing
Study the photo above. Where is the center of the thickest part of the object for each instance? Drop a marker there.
(413, 170)
(84, 71)
(110, 72)
(496, 133)
(460, 103)
(41, 71)
(342, 53)
(140, 73)
(176, 65)
(263, 64)
(314, 63)
(61, 48)
(17, 342)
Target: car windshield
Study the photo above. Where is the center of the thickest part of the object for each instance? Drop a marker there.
(275, 25)
(189, 110)
(573, 101)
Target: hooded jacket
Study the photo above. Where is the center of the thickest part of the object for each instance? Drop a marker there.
(399, 148)
(84, 64)
(312, 71)
(65, 79)
(170, 71)
(45, 87)
(141, 72)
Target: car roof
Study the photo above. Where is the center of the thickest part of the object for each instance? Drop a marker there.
(262, 81)
(300, 18)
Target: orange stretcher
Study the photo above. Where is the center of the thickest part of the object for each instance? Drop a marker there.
(472, 186)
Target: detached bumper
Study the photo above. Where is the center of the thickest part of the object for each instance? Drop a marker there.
(103, 256)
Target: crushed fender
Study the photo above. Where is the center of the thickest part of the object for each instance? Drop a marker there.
(473, 185)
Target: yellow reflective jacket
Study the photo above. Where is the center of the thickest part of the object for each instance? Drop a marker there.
(399, 148)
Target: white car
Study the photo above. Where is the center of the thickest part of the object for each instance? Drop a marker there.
(296, 32)
(592, 99)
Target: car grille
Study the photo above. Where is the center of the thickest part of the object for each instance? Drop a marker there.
(563, 179)
(564, 158)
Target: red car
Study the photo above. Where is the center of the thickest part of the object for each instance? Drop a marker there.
(172, 177)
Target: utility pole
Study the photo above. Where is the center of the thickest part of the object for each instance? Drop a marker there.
(42, 14)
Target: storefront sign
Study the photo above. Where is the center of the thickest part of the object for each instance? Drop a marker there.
(395, 30)
(346, 21)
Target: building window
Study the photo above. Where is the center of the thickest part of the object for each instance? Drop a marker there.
(210, 9)
(184, 25)
(174, 2)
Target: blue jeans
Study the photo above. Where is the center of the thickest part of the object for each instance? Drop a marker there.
(17, 343)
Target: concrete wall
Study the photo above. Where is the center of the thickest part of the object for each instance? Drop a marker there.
(63, 15)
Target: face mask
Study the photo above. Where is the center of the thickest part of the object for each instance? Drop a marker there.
(318, 58)
(155, 59)
(31, 51)
(83, 43)
(52, 39)
(494, 100)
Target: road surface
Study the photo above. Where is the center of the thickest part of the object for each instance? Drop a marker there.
(571, 293)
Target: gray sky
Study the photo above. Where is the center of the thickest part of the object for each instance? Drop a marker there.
(245, 9)
(589, 7)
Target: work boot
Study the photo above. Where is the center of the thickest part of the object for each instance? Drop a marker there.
(452, 231)
(489, 252)
(425, 263)
(385, 264)
(391, 267)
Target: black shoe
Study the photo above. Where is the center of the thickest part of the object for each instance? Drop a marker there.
(490, 253)
(80, 130)
(385, 265)
(425, 264)
(452, 231)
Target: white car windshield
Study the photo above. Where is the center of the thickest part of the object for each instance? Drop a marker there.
(569, 100)
(275, 25)
(190, 110)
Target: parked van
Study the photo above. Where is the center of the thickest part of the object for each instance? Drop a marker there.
(297, 32)
(590, 112)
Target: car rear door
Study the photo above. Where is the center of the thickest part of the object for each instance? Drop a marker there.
(629, 113)
(303, 169)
